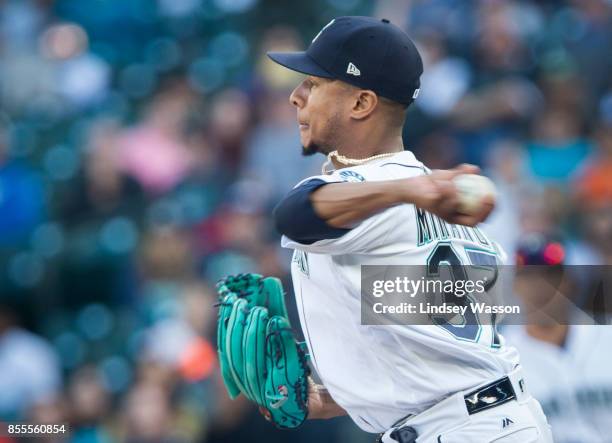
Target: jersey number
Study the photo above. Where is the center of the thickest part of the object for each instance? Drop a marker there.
(469, 327)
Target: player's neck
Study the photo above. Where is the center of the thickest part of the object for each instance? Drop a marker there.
(359, 148)
(553, 334)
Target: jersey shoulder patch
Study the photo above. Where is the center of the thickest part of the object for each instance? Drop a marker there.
(351, 176)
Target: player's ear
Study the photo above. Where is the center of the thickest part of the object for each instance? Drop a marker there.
(364, 103)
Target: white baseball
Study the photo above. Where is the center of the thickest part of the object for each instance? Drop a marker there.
(471, 189)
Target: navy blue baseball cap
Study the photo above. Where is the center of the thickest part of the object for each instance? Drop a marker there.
(365, 52)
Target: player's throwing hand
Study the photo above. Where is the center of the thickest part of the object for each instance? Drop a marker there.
(438, 195)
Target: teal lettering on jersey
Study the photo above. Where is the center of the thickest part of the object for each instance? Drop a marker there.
(424, 232)
(300, 258)
(431, 227)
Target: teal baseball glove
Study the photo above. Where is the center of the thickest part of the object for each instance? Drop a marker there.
(258, 353)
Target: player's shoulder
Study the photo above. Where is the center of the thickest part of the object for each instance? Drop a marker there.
(403, 164)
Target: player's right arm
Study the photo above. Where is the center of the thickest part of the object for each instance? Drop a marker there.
(318, 210)
(342, 205)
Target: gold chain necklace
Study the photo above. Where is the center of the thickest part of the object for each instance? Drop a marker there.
(350, 161)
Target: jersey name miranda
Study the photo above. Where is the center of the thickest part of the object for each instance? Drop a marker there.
(380, 374)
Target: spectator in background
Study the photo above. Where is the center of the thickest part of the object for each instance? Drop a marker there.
(90, 404)
(21, 194)
(20, 22)
(200, 193)
(558, 148)
(177, 309)
(81, 78)
(101, 190)
(592, 182)
(271, 147)
(154, 152)
(165, 255)
(501, 96)
(446, 78)
(100, 212)
(558, 339)
(27, 77)
(590, 46)
(51, 411)
(593, 194)
(225, 232)
(593, 210)
(502, 28)
(229, 126)
(506, 167)
(166, 263)
(149, 416)
(29, 368)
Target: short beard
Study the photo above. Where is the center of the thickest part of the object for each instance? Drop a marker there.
(330, 139)
(310, 150)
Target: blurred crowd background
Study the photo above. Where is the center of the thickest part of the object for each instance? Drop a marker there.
(143, 144)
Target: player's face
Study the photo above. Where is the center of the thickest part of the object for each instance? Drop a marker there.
(317, 102)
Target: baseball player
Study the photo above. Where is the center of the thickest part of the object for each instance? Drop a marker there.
(375, 203)
(577, 400)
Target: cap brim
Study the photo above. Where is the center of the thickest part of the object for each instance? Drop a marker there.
(300, 62)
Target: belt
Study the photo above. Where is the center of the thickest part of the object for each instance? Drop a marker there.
(486, 397)
(489, 396)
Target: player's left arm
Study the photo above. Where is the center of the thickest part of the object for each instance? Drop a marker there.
(320, 404)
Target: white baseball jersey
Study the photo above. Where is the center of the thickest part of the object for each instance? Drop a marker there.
(572, 383)
(380, 374)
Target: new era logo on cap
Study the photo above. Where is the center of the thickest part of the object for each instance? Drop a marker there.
(352, 69)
